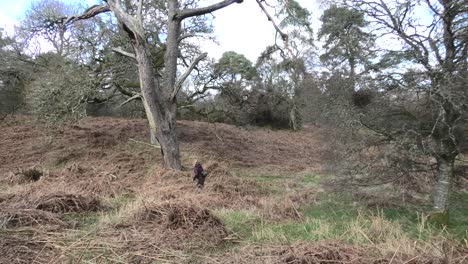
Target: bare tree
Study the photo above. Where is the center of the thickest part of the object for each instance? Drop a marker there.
(40, 23)
(429, 72)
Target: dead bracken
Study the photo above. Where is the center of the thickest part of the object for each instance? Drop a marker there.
(14, 217)
(25, 248)
(25, 176)
(179, 215)
(64, 203)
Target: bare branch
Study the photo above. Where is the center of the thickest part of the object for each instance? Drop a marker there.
(201, 93)
(284, 36)
(382, 13)
(180, 107)
(124, 91)
(204, 10)
(433, 8)
(88, 13)
(184, 76)
(185, 37)
(140, 11)
(124, 53)
(135, 97)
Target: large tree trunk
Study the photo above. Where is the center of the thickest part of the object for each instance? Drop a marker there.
(167, 137)
(160, 113)
(440, 215)
(443, 184)
(166, 132)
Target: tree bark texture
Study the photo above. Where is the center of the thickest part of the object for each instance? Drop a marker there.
(443, 184)
(161, 113)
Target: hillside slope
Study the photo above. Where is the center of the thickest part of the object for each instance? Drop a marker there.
(94, 192)
(25, 144)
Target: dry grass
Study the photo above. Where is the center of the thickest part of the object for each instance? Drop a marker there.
(65, 203)
(324, 252)
(14, 217)
(145, 231)
(148, 214)
(222, 188)
(253, 148)
(381, 242)
(389, 238)
(57, 197)
(26, 247)
(24, 176)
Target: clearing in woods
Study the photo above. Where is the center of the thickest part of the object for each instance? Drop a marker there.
(94, 192)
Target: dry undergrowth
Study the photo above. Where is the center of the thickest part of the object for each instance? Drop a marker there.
(65, 203)
(328, 252)
(91, 165)
(222, 188)
(26, 247)
(24, 176)
(14, 217)
(336, 252)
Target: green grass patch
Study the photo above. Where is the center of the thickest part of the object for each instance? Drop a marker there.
(83, 221)
(291, 231)
(270, 182)
(242, 222)
(343, 217)
(121, 200)
(311, 180)
(260, 176)
(458, 218)
(337, 217)
(319, 223)
(267, 178)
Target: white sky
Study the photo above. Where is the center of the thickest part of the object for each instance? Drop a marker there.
(245, 29)
(242, 28)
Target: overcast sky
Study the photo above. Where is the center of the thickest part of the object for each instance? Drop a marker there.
(240, 27)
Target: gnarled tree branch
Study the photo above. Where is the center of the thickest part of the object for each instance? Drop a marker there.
(88, 13)
(135, 97)
(204, 10)
(124, 91)
(184, 76)
(284, 36)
